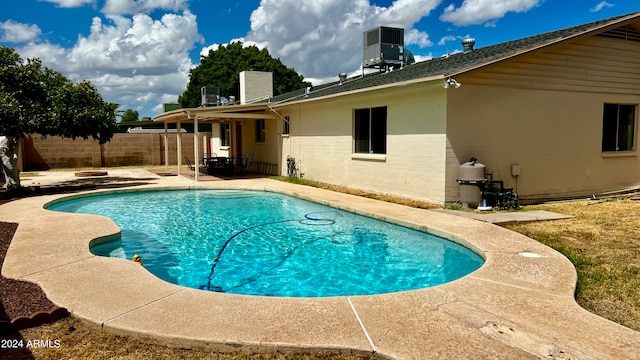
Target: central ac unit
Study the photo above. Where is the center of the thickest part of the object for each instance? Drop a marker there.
(383, 46)
(210, 96)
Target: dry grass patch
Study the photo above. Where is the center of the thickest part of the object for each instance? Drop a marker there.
(346, 190)
(603, 242)
(79, 340)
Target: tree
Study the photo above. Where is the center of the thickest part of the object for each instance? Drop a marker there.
(36, 99)
(222, 67)
(130, 115)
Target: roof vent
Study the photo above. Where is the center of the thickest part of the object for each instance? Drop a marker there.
(468, 43)
(342, 76)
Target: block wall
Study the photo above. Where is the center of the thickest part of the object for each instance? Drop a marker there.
(53, 152)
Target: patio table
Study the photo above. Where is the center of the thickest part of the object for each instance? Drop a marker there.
(220, 165)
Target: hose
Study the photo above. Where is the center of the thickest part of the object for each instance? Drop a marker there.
(309, 219)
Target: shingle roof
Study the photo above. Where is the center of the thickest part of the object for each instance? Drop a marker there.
(454, 63)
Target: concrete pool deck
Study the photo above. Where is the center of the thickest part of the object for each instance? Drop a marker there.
(516, 306)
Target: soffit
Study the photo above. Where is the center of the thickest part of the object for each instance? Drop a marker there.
(219, 113)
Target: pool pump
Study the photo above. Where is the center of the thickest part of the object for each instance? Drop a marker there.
(479, 189)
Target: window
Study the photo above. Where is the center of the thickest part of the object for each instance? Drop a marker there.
(285, 126)
(370, 130)
(225, 134)
(618, 127)
(260, 130)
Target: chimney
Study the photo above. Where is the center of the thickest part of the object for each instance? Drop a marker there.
(255, 86)
(468, 43)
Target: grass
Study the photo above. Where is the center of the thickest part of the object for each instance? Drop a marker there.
(79, 340)
(602, 241)
(381, 197)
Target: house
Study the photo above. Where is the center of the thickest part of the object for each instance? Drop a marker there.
(552, 116)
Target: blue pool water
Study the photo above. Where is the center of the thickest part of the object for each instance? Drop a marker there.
(269, 244)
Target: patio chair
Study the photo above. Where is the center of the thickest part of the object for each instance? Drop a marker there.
(202, 169)
(245, 164)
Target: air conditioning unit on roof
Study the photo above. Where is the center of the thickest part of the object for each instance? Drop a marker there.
(210, 96)
(383, 46)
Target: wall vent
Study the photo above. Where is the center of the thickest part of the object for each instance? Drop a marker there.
(623, 33)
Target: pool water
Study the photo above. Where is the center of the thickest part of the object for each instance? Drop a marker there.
(269, 244)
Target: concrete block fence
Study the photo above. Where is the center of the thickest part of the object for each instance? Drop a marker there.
(38, 153)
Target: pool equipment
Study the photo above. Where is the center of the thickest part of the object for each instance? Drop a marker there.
(307, 220)
(478, 189)
(292, 170)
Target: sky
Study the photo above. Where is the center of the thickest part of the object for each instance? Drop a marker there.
(138, 52)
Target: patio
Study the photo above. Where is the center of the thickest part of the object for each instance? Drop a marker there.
(514, 307)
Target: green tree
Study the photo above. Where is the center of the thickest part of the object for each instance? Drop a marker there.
(222, 67)
(130, 115)
(37, 100)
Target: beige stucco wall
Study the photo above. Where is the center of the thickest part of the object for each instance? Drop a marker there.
(544, 112)
(321, 141)
(541, 111)
(215, 143)
(555, 137)
(266, 154)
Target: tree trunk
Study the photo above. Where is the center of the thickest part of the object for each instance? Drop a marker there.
(9, 156)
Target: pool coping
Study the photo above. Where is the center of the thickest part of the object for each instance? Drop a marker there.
(514, 306)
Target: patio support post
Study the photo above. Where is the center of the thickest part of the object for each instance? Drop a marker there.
(166, 146)
(196, 153)
(179, 146)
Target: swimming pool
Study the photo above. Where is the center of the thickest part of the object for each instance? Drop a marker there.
(269, 244)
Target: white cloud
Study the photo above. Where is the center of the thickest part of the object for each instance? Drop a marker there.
(487, 12)
(48, 53)
(214, 47)
(325, 36)
(71, 3)
(406, 12)
(15, 32)
(601, 5)
(130, 7)
(132, 61)
(446, 39)
(420, 38)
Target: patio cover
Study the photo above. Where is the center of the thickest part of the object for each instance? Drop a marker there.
(212, 114)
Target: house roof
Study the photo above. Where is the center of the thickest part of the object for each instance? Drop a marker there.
(457, 63)
(429, 70)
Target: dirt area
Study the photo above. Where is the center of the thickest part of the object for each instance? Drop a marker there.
(21, 302)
